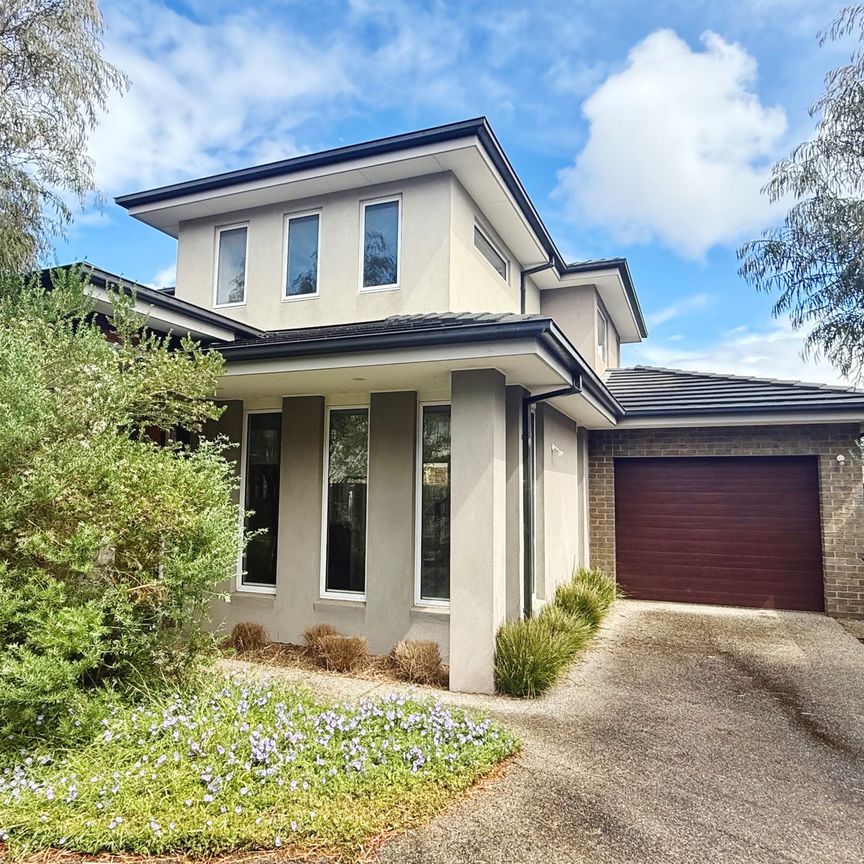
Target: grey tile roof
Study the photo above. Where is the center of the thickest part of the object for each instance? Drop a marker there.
(654, 391)
(394, 324)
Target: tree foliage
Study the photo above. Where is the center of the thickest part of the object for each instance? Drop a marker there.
(111, 546)
(814, 260)
(53, 83)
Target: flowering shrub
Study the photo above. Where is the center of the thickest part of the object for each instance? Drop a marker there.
(247, 765)
(110, 546)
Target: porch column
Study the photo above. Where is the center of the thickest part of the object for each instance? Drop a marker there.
(478, 502)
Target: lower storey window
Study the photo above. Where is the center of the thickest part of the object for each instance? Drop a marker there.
(347, 474)
(434, 504)
(261, 497)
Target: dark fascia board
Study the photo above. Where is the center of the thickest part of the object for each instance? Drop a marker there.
(749, 410)
(478, 127)
(102, 279)
(323, 159)
(543, 330)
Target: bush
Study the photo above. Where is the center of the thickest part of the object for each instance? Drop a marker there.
(587, 596)
(529, 657)
(313, 635)
(531, 654)
(112, 546)
(419, 661)
(248, 636)
(343, 653)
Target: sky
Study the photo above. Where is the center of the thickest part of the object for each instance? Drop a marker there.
(640, 129)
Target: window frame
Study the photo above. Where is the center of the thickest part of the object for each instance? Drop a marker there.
(604, 355)
(286, 227)
(219, 230)
(240, 585)
(485, 234)
(419, 599)
(324, 593)
(371, 202)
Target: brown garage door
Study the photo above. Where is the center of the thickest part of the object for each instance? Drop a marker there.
(736, 531)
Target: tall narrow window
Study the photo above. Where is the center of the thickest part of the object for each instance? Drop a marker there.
(231, 266)
(347, 471)
(490, 253)
(381, 244)
(301, 277)
(261, 497)
(434, 509)
(602, 337)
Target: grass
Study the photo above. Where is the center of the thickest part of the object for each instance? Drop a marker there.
(530, 655)
(245, 765)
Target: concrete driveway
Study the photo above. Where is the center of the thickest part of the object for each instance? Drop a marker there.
(687, 734)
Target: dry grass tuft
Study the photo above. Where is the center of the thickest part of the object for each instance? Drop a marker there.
(343, 653)
(248, 636)
(314, 635)
(419, 661)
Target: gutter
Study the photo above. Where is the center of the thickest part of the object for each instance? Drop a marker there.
(529, 520)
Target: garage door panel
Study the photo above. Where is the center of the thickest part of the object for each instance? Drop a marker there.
(741, 531)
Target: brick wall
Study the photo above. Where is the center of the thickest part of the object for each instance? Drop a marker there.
(840, 488)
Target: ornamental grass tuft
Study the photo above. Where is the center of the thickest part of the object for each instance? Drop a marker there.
(244, 765)
(530, 655)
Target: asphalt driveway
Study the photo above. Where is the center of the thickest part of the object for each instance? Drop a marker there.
(687, 734)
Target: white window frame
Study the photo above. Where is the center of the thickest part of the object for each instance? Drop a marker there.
(419, 600)
(497, 248)
(219, 230)
(241, 586)
(324, 594)
(604, 356)
(288, 217)
(369, 203)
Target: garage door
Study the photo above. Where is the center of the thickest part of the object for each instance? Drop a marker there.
(734, 531)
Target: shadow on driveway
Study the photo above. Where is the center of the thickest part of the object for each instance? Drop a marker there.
(687, 734)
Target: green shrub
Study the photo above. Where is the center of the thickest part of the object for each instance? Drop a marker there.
(112, 546)
(563, 625)
(587, 596)
(529, 657)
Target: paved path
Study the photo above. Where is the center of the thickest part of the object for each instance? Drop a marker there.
(687, 734)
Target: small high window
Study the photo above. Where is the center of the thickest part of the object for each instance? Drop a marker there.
(490, 253)
(301, 274)
(231, 266)
(602, 337)
(261, 497)
(347, 475)
(433, 517)
(380, 244)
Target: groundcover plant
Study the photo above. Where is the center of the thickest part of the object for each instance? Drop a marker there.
(246, 764)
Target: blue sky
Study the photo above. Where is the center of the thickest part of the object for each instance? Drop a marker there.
(639, 129)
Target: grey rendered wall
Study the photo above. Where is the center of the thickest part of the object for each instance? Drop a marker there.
(387, 615)
(560, 460)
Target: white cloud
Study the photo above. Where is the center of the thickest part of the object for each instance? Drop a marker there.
(679, 308)
(773, 351)
(165, 277)
(204, 96)
(677, 149)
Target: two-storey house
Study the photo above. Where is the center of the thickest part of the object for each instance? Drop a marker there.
(432, 426)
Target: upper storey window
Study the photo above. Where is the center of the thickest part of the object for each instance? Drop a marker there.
(231, 265)
(490, 253)
(301, 257)
(602, 338)
(381, 231)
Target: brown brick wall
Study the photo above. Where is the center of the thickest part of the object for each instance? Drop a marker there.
(840, 487)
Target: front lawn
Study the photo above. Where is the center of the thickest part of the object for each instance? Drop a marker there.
(246, 765)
